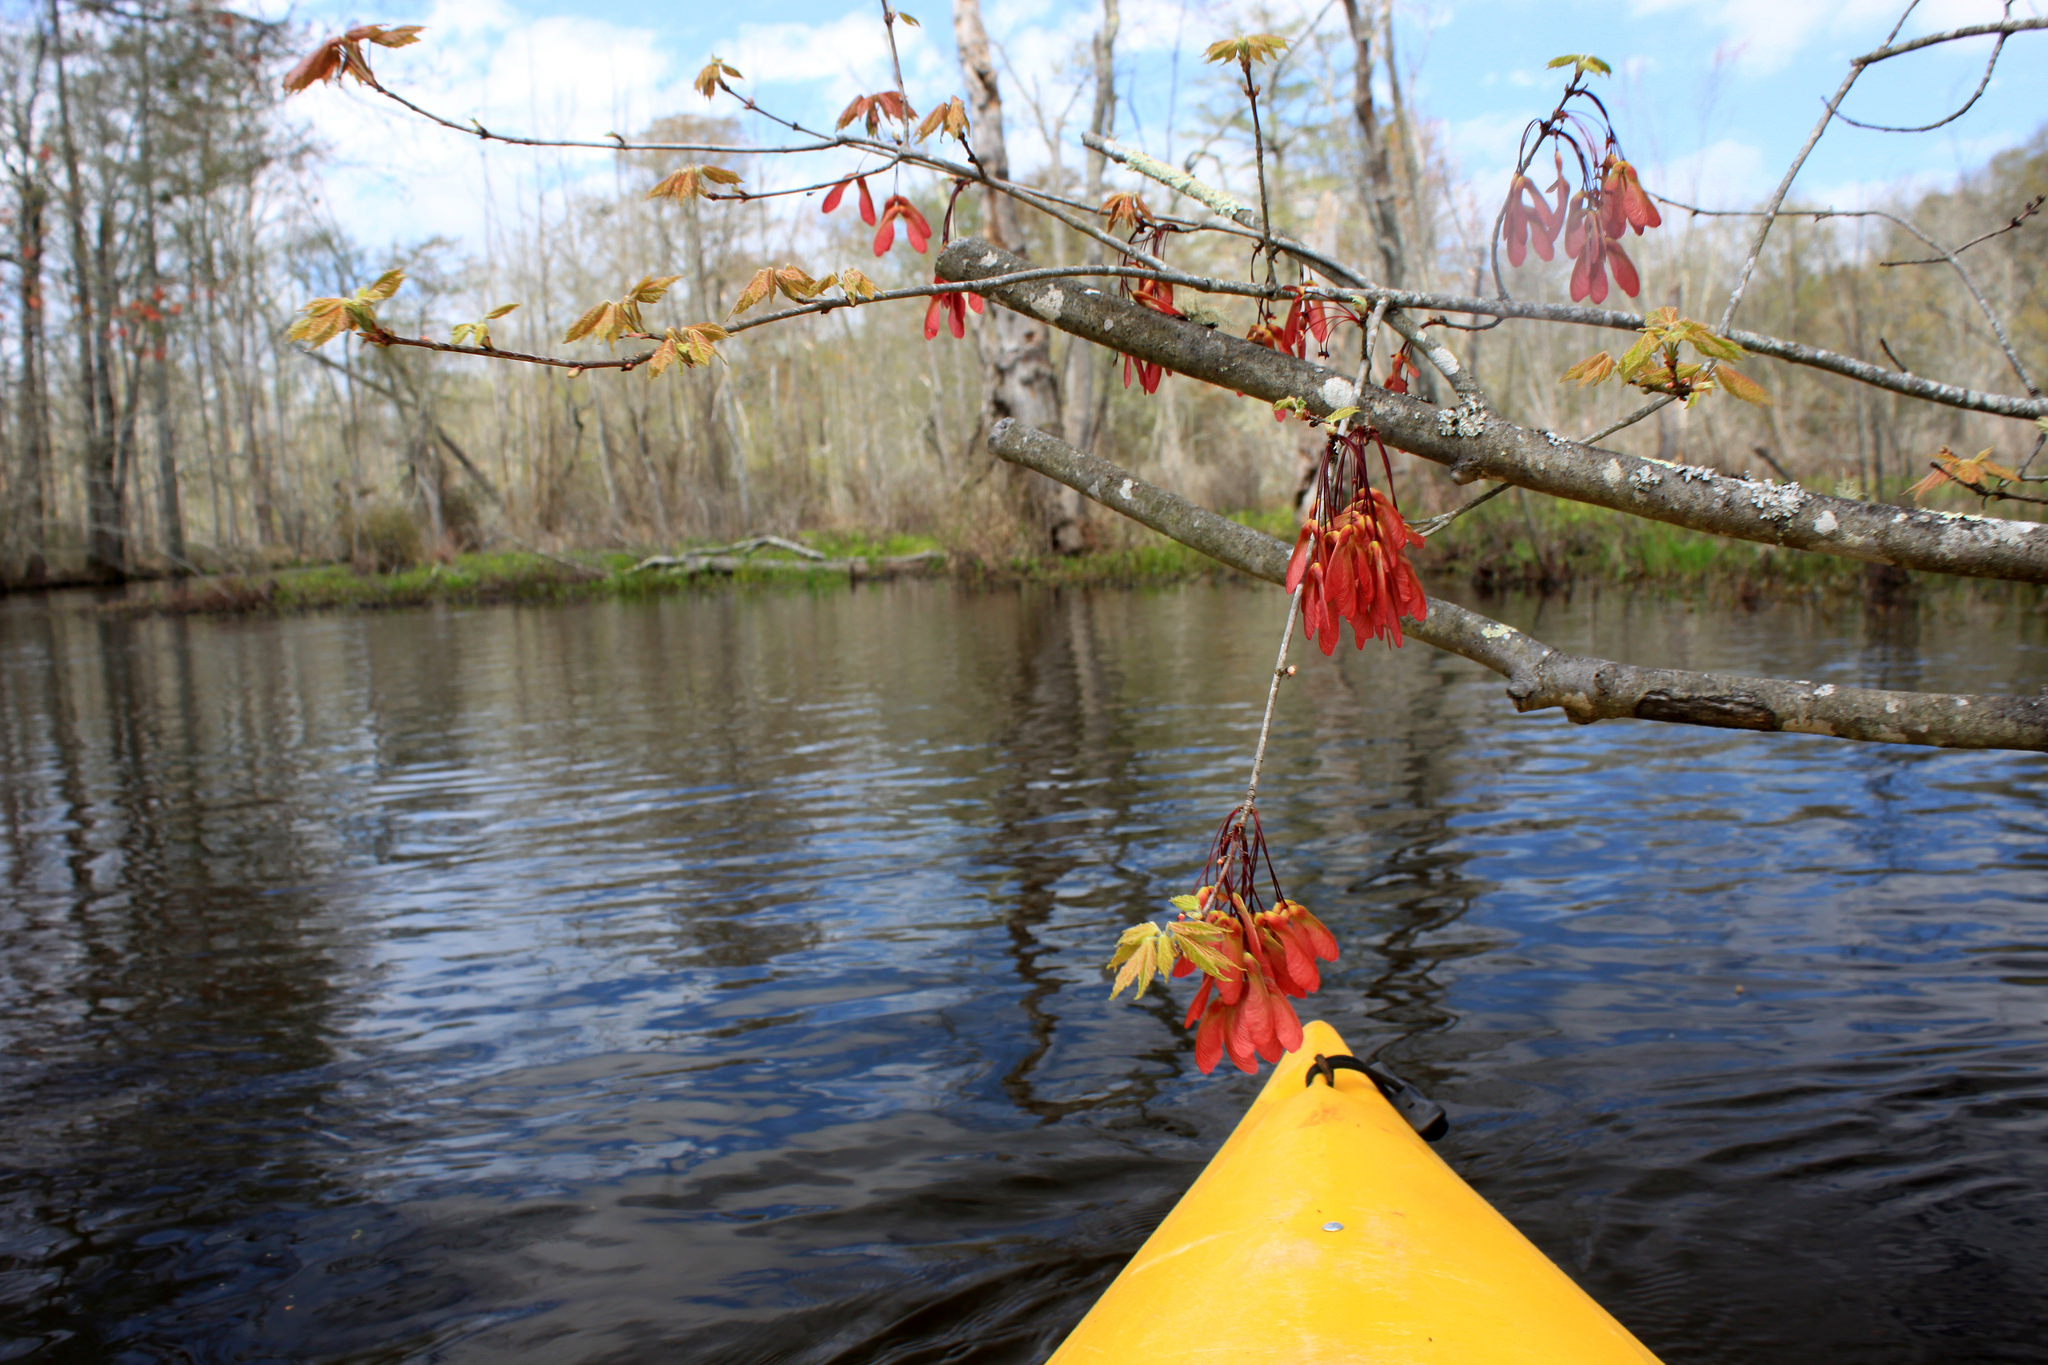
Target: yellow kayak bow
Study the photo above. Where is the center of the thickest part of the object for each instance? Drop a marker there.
(1325, 1230)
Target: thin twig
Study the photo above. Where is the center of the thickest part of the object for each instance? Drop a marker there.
(1983, 304)
(2033, 207)
(1432, 525)
(1280, 670)
(1660, 401)
(1251, 92)
(1993, 494)
(1777, 199)
(1982, 84)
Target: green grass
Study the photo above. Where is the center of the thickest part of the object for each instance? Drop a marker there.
(1554, 543)
(1499, 546)
(502, 576)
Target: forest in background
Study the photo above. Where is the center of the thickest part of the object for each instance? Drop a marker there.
(163, 225)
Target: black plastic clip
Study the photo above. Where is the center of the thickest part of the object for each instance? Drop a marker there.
(1424, 1114)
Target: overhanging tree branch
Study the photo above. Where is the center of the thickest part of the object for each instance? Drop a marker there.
(1586, 689)
(1476, 443)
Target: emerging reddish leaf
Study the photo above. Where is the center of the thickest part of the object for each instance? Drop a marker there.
(758, 288)
(1126, 210)
(872, 109)
(950, 117)
(343, 55)
(692, 182)
(712, 78)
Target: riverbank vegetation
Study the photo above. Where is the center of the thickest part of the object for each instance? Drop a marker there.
(1512, 545)
(157, 420)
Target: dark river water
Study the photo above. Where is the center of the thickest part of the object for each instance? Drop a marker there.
(719, 979)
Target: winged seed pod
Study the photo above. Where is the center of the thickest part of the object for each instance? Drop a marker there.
(1253, 958)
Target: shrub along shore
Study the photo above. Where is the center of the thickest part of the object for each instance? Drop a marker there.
(1511, 544)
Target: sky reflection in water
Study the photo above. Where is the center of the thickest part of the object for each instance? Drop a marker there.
(721, 975)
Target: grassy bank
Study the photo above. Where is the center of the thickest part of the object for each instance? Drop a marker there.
(1512, 543)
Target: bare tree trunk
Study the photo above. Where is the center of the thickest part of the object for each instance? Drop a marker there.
(1082, 387)
(1376, 179)
(720, 455)
(1404, 133)
(1016, 351)
(170, 512)
(32, 197)
(106, 550)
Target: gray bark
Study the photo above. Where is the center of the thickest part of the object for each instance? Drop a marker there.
(106, 542)
(32, 199)
(1016, 349)
(1083, 392)
(1376, 179)
(1586, 689)
(170, 511)
(1476, 443)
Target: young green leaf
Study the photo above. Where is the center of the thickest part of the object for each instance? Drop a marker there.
(1252, 49)
(386, 285)
(1637, 356)
(1592, 370)
(1580, 64)
(1741, 386)
(586, 324)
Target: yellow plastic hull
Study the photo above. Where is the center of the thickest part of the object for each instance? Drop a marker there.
(1326, 1230)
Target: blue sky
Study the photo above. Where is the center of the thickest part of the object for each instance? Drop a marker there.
(1712, 99)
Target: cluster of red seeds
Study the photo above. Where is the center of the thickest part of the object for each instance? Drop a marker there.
(1158, 296)
(1269, 956)
(1594, 221)
(1351, 558)
(1306, 317)
(916, 229)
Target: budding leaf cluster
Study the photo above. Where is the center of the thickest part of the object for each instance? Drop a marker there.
(343, 55)
(872, 109)
(1653, 363)
(693, 182)
(792, 283)
(322, 320)
(478, 333)
(1581, 64)
(949, 118)
(614, 318)
(711, 79)
(1252, 49)
(1974, 473)
(687, 346)
(1145, 951)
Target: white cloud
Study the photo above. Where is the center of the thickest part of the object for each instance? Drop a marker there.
(1725, 174)
(1770, 34)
